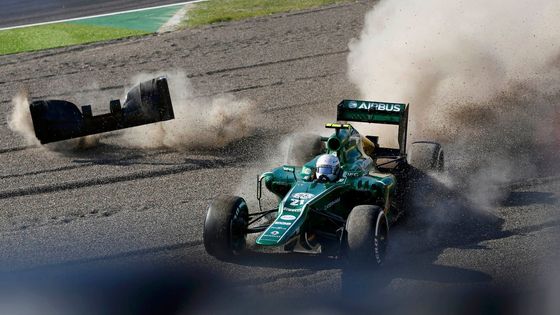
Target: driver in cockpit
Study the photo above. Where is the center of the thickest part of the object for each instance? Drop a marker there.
(327, 168)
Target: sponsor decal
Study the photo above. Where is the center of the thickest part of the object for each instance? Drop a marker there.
(379, 106)
(354, 174)
(274, 233)
(288, 217)
(299, 199)
(288, 169)
(303, 195)
(332, 203)
(283, 223)
(292, 210)
(352, 104)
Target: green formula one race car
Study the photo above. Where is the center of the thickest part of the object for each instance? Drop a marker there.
(341, 201)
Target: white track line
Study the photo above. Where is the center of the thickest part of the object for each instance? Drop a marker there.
(100, 15)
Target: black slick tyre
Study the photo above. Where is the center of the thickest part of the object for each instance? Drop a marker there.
(225, 227)
(367, 233)
(426, 156)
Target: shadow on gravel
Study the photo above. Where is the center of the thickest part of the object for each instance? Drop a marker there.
(110, 154)
(288, 261)
(247, 149)
(526, 198)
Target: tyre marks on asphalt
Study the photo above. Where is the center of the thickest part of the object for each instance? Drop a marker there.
(273, 84)
(534, 181)
(122, 87)
(19, 225)
(195, 75)
(51, 170)
(270, 63)
(302, 273)
(16, 149)
(45, 172)
(97, 181)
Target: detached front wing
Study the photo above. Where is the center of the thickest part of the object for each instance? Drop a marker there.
(146, 103)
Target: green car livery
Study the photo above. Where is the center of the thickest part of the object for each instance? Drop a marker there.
(349, 216)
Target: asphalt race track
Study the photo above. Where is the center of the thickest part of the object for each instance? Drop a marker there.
(115, 204)
(22, 12)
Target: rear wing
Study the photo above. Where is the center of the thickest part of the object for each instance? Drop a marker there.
(377, 113)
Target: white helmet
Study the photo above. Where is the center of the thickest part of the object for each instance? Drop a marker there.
(328, 165)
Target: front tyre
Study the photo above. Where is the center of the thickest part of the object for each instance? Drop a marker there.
(225, 227)
(367, 235)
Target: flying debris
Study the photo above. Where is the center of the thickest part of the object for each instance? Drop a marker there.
(146, 103)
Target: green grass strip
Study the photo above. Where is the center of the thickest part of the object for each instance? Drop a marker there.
(147, 21)
(215, 11)
(57, 35)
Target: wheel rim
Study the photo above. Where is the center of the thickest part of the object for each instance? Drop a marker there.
(380, 240)
(237, 231)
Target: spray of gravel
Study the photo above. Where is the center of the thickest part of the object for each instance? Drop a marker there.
(275, 153)
(200, 122)
(20, 121)
(482, 77)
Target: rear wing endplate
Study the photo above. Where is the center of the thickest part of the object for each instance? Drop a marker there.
(377, 113)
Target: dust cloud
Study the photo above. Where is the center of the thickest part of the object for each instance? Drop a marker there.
(482, 77)
(20, 121)
(200, 122)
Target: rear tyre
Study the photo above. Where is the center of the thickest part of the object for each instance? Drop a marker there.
(303, 147)
(421, 189)
(426, 156)
(367, 232)
(225, 227)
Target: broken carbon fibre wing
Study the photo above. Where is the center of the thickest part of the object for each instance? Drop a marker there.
(146, 103)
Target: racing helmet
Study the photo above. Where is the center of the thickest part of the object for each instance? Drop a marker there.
(327, 166)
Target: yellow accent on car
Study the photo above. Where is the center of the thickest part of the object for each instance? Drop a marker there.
(331, 125)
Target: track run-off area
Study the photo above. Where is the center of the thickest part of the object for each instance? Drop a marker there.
(113, 203)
